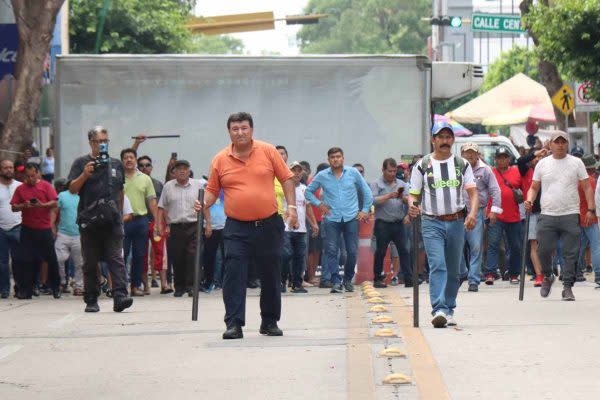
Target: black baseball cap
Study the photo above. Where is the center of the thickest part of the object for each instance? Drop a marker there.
(503, 151)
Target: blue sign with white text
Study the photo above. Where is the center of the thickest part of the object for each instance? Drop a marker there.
(9, 44)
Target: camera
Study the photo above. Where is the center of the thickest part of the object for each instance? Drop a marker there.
(102, 157)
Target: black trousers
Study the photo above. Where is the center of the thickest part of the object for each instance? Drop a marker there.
(261, 241)
(211, 245)
(103, 245)
(37, 245)
(386, 232)
(181, 247)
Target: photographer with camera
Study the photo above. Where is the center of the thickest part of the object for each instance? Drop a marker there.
(99, 180)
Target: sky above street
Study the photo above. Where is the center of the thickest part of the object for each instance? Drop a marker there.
(281, 40)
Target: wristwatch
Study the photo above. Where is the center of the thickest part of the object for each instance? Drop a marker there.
(592, 210)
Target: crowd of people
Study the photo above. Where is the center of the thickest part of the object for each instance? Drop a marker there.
(112, 227)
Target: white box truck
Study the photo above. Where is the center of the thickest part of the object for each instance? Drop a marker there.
(373, 107)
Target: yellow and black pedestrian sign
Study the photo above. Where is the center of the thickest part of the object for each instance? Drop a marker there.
(564, 100)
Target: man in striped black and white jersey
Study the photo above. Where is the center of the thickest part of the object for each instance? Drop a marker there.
(437, 182)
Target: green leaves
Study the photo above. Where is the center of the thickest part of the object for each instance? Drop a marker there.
(367, 26)
(132, 26)
(569, 36)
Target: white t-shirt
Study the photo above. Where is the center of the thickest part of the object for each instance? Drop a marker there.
(127, 206)
(442, 185)
(560, 179)
(8, 218)
(300, 209)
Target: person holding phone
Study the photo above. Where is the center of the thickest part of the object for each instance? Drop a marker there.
(389, 197)
(35, 199)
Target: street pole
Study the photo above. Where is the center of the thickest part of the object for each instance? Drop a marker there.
(524, 256)
(415, 266)
(198, 256)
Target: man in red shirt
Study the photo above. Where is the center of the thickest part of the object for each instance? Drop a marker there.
(590, 233)
(35, 198)
(509, 221)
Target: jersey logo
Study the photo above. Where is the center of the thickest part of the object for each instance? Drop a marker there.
(450, 183)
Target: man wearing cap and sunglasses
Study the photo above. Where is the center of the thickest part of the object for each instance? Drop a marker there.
(438, 180)
(487, 188)
(559, 177)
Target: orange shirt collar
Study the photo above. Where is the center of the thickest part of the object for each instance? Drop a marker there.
(230, 151)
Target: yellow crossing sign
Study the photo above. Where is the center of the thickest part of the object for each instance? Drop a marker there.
(564, 99)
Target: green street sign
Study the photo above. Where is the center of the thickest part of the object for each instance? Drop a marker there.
(501, 23)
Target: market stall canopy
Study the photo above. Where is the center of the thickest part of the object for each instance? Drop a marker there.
(514, 101)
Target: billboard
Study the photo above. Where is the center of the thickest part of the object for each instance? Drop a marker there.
(9, 43)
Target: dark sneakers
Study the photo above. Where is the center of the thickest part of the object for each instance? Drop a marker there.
(547, 285)
(379, 284)
(299, 289)
(473, 287)
(348, 286)
(120, 303)
(325, 285)
(567, 294)
(337, 289)
(270, 329)
(235, 332)
(92, 307)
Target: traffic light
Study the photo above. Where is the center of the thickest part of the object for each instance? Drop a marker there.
(445, 20)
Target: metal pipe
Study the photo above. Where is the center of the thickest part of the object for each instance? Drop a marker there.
(198, 256)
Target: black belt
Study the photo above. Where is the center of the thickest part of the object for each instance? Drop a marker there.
(140, 216)
(181, 223)
(258, 222)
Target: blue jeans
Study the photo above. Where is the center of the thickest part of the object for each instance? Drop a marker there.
(136, 236)
(9, 243)
(294, 250)
(514, 235)
(475, 240)
(591, 235)
(444, 242)
(333, 230)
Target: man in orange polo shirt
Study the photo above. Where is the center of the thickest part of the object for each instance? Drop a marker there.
(245, 171)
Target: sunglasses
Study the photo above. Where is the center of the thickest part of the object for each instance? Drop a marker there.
(144, 165)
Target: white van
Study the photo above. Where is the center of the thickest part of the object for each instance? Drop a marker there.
(488, 145)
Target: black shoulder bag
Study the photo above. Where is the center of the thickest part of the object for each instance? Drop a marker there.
(102, 213)
(517, 193)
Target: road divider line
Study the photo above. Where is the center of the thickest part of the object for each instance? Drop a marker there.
(425, 371)
(361, 377)
(6, 351)
(59, 323)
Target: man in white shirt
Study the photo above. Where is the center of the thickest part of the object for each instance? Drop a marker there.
(294, 239)
(10, 227)
(558, 176)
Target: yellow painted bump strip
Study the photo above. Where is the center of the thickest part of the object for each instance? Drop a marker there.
(383, 319)
(392, 352)
(378, 309)
(397, 379)
(385, 332)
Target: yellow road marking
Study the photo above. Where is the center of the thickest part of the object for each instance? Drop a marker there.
(425, 370)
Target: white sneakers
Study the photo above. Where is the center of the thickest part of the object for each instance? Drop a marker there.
(441, 320)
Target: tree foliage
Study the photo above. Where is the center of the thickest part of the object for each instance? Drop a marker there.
(222, 44)
(517, 59)
(568, 35)
(367, 26)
